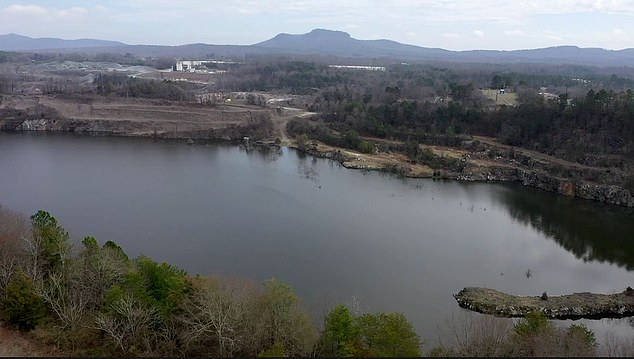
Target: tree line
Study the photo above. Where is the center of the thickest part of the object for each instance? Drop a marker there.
(600, 123)
(126, 86)
(95, 300)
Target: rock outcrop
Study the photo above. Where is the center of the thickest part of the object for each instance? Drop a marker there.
(572, 306)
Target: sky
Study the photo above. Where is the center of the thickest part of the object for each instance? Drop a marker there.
(448, 24)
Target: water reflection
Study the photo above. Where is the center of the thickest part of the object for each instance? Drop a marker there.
(307, 168)
(591, 231)
(333, 234)
(265, 153)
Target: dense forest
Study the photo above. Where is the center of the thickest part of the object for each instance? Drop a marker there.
(125, 86)
(600, 123)
(91, 299)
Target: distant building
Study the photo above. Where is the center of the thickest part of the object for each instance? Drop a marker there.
(355, 67)
(190, 65)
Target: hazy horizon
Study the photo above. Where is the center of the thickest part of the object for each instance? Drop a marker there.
(159, 44)
(450, 24)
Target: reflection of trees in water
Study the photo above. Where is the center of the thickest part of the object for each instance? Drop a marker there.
(591, 231)
(266, 153)
(307, 168)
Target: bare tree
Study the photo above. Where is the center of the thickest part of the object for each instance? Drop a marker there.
(68, 303)
(13, 227)
(128, 325)
(474, 334)
(97, 269)
(221, 311)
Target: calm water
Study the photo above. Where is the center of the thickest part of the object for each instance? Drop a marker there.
(335, 235)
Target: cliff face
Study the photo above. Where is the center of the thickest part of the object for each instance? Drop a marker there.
(258, 129)
(606, 193)
(603, 184)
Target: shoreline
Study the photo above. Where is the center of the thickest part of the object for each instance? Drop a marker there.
(609, 194)
(571, 306)
(469, 167)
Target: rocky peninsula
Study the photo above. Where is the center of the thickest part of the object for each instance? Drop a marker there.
(571, 306)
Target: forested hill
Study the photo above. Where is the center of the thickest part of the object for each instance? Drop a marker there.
(331, 43)
(337, 43)
(14, 42)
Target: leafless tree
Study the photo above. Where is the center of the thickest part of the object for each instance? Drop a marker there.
(67, 301)
(615, 346)
(128, 325)
(13, 227)
(220, 311)
(472, 334)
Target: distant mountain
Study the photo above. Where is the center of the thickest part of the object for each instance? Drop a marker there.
(327, 42)
(332, 43)
(14, 42)
(339, 43)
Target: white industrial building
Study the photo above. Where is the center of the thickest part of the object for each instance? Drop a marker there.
(190, 65)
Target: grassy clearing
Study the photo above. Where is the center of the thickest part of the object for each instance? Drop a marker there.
(509, 98)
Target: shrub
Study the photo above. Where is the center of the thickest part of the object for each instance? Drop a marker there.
(23, 305)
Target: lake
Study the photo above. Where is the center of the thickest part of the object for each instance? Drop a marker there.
(335, 235)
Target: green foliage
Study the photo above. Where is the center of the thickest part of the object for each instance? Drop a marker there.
(369, 335)
(350, 139)
(501, 81)
(388, 335)
(141, 307)
(533, 323)
(366, 147)
(115, 249)
(4, 56)
(159, 286)
(581, 339)
(461, 91)
(276, 351)
(23, 305)
(535, 335)
(54, 239)
(90, 243)
(125, 86)
(340, 333)
(285, 321)
(98, 269)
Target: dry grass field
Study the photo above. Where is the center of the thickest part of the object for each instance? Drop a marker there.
(14, 343)
(509, 98)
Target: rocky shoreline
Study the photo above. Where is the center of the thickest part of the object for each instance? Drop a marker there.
(474, 165)
(571, 306)
(470, 172)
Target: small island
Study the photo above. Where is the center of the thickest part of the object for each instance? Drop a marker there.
(571, 306)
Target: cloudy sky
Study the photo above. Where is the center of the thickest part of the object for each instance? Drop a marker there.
(449, 24)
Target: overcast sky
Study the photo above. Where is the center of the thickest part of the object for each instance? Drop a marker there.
(449, 24)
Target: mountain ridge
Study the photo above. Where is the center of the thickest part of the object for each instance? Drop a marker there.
(332, 43)
(15, 42)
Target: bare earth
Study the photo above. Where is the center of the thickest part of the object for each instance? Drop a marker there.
(14, 343)
(153, 115)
